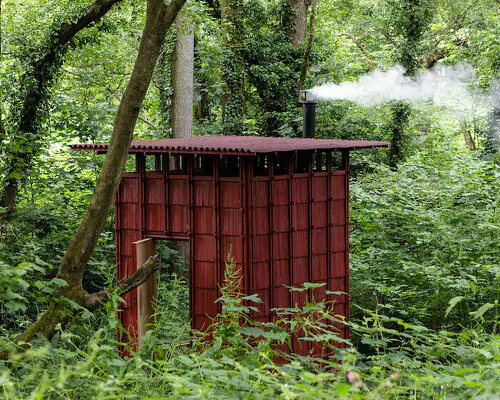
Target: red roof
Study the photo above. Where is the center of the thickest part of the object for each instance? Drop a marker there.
(246, 145)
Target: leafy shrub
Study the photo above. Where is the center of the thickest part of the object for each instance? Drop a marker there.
(426, 233)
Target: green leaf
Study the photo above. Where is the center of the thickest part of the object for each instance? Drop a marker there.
(473, 288)
(452, 303)
(310, 285)
(14, 306)
(252, 331)
(10, 295)
(481, 310)
(59, 282)
(342, 389)
(217, 345)
(15, 175)
(254, 297)
(186, 361)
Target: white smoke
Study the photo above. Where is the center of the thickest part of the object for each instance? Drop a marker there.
(444, 85)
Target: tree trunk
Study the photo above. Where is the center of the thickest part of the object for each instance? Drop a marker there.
(298, 22)
(181, 110)
(233, 73)
(35, 82)
(202, 105)
(307, 52)
(413, 24)
(162, 85)
(2, 130)
(492, 143)
(469, 141)
(158, 19)
(400, 119)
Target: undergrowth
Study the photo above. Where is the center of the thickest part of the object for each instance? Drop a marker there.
(238, 358)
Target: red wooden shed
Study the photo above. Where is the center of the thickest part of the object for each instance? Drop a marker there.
(280, 205)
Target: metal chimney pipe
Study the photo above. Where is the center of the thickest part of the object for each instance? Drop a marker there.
(308, 100)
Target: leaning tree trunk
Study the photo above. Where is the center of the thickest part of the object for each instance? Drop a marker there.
(35, 82)
(158, 19)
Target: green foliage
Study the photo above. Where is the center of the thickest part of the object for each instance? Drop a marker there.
(30, 91)
(426, 234)
(273, 68)
(424, 237)
(23, 288)
(406, 22)
(232, 66)
(243, 361)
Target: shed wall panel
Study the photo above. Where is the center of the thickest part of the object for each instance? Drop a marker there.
(281, 230)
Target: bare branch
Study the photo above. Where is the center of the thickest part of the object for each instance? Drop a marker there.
(149, 123)
(360, 47)
(93, 300)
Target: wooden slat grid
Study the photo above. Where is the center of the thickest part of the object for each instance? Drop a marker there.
(284, 229)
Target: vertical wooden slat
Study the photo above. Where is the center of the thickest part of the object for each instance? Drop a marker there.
(272, 282)
(329, 224)
(245, 176)
(158, 162)
(310, 223)
(141, 165)
(166, 173)
(291, 231)
(217, 231)
(246, 218)
(290, 239)
(118, 245)
(345, 163)
(190, 166)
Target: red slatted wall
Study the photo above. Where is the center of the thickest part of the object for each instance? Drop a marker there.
(282, 229)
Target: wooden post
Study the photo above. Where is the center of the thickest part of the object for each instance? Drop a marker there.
(146, 293)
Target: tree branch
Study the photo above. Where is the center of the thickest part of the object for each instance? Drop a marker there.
(94, 300)
(433, 57)
(95, 12)
(58, 311)
(149, 123)
(360, 47)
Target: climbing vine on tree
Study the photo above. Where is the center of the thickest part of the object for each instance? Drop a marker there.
(28, 103)
(406, 23)
(233, 71)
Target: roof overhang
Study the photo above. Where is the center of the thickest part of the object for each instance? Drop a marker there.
(234, 145)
